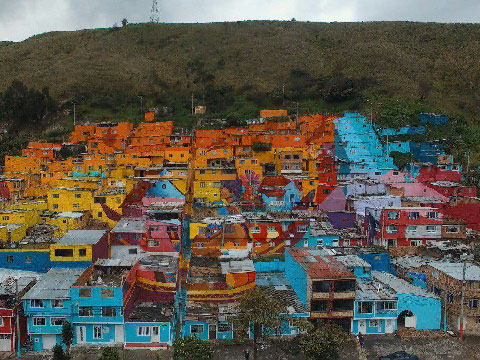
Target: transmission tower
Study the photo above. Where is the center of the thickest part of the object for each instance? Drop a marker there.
(154, 14)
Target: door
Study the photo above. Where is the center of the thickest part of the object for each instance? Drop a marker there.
(119, 333)
(212, 332)
(389, 326)
(155, 334)
(49, 341)
(80, 334)
(362, 326)
(5, 342)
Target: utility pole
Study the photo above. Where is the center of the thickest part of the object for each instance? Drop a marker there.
(283, 95)
(141, 104)
(468, 162)
(445, 311)
(74, 113)
(17, 319)
(192, 104)
(463, 298)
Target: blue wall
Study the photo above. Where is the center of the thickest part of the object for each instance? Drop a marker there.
(297, 277)
(379, 262)
(186, 331)
(270, 266)
(131, 332)
(40, 261)
(427, 310)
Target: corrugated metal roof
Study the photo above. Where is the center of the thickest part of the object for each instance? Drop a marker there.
(455, 270)
(401, 286)
(131, 225)
(55, 284)
(82, 237)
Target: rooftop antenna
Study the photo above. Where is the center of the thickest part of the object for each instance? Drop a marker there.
(154, 13)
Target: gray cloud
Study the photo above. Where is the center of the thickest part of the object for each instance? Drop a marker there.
(20, 19)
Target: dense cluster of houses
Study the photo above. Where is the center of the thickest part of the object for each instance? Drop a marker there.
(140, 235)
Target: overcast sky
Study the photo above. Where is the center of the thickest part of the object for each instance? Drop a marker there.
(20, 19)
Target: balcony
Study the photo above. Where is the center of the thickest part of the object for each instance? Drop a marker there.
(344, 295)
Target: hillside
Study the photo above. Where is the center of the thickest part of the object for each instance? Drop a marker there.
(438, 62)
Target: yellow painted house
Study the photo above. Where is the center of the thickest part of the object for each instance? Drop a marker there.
(70, 199)
(80, 245)
(28, 217)
(113, 198)
(66, 221)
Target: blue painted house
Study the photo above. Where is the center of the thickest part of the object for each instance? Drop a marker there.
(277, 287)
(150, 325)
(97, 298)
(417, 308)
(47, 305)
(208, 320)
(375, 310)
(358, 148)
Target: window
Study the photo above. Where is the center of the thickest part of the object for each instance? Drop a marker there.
(76, 206)
(63, 252)
(100, 214)
(196, 329)
(143, 330)
(392, 229)
(85, 292)
(224, 327)
(39, 321)
(109, 311)
(431, 228)
(57, 321)
(242, 162)
(271, 229)
(302, 228)
(319, 305)
(373, 323)
(132, 251)
(56, 303)
(413, 215)
(78, 195)
(10, 259)
(432, 215)
(55, 196)
(36, 303)
(473, 303)
(393, 215)
(449, 298)
(200, 245)
(452, 229)
(85, 311)
(202, 172)
(364, 307)
(202, 184)
(255, 230)
(411, 228)
(106, 293)
(321, 286)
(97, 332)
(82, 252)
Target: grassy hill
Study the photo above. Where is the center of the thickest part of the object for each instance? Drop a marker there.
(238, 68)
(436, 61)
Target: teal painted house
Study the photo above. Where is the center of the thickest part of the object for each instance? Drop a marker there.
(150, 325)
(47, 305)
(417, 308)
(97, 303)
(375, 310)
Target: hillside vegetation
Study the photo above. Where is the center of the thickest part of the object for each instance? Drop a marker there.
(438, 62)
(238, 68)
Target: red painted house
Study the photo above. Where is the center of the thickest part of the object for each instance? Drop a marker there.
(450, 188)
(409, 226)
(8, 325)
